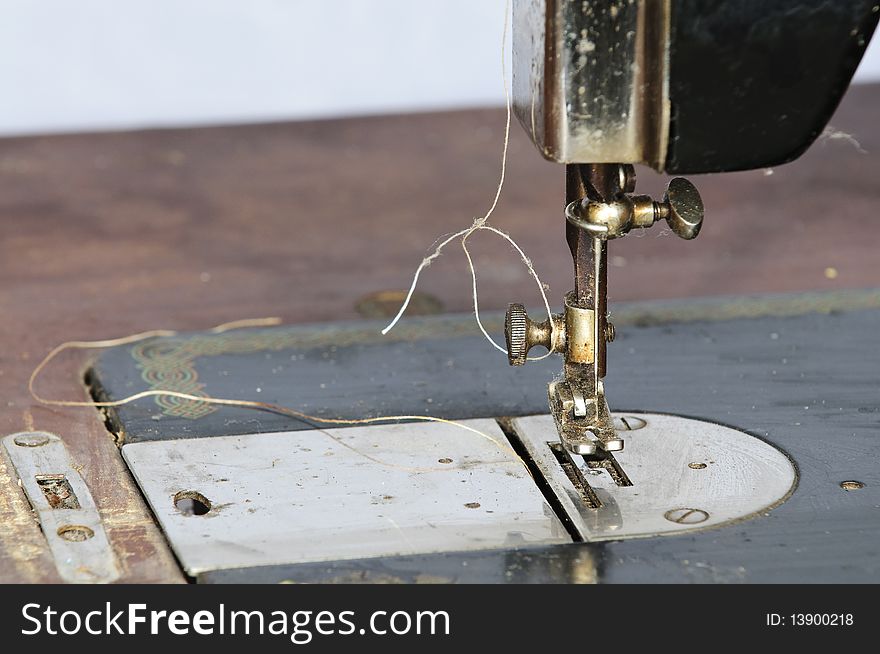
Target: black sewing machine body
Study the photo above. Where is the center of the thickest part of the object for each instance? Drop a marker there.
(685, 86)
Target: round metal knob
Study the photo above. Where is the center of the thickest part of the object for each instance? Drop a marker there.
(516, 330)
(682, 208)
(522, 334)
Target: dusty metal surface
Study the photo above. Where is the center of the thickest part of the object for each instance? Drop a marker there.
(64, 508)
(675, 475)
(590, 79)
(359, 492)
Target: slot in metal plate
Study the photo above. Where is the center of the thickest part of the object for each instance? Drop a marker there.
(64, 507)
(686, 475)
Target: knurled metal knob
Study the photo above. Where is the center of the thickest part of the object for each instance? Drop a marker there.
(516, 333)
(522, 334)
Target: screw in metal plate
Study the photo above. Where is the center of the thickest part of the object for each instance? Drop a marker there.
(609, 332)
(31, 439)
(686, 516)
(851, 485)
(75, 533)
(628, 423)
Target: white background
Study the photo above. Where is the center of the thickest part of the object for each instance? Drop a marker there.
(73, 65)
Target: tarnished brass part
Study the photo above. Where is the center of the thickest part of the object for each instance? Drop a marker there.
(577, 402)
(609, 332)
(540, 333)
(644, 211)
(600, 206)
(610, 220)
(522, 334)
(580, 329)
(682, 208)
(598, 182)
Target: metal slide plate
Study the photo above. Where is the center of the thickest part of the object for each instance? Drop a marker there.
(686, 474)
(358, 492)
(64, 506)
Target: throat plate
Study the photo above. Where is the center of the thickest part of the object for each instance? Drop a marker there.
(685, 474)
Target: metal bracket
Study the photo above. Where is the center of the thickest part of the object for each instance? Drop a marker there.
(64, 507)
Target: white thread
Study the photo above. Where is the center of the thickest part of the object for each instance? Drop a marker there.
(528, 264)
(833, 134)
(482, 224)
(249, 404)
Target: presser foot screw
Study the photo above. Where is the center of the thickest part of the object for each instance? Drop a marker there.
(33, 439)
(686, 516)
(628, 423)
(609, 332)
(521, 334)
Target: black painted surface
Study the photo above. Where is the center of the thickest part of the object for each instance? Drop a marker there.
(809, 384)
(753, 82)
(351, 373)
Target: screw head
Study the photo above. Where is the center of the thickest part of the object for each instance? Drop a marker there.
(628, 423)
(75, 533)
(686, 516)
(31, 439)
(609, 332)
(627, 178)
(685, 207)
(851, 485)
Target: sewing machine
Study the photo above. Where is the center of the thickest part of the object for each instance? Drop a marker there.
(725, 405)
(683, 87)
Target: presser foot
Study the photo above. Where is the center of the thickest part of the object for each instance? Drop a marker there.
(584, 423)
(600, 208)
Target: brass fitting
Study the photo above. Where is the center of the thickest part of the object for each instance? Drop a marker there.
(522, 334)
(681, 208)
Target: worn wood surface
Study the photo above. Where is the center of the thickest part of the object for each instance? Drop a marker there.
(104, 235)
